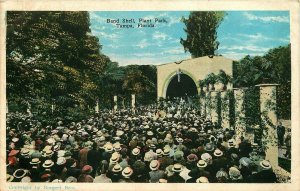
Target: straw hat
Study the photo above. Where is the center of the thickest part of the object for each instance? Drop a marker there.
(218, 153)
(48, 153)
(201, 164)
(265, 164)
(202, 179)
(206, 157)
(148, 157)
(162, 180)
(234, 173)
(117, 168)
(109, 148)
(136, 151)
(61, 161)
(26, 179)
(127, 172)
(166, 151)
(9, 178)
(114, 157)
(20, 173)
(15, 139)
(177, 168)
(25, 152)
(48, 164)
(154, 165)
(57, 181)
(35, 161)
(70, 179)
(159, 152)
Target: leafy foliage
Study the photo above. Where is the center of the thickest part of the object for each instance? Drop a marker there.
(201, 29)
(274, 67)
(52, 58)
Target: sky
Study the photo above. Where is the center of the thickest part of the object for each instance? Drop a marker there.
(241, 33)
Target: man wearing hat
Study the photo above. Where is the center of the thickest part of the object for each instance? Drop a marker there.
(176, 178)
(266, 175)
(85, 174)
(165, 160)
(139, 167)
(24, 160)
(83, 155)
(72, 169)
(116, 173)
(199, 171)
(103, 178)
(126, 173)
(219, 161)
(93, 159)
(35, 169)
(155, 174)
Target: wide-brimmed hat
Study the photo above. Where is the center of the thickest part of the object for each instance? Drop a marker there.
(244, 161)
(48, 164)
(108, 148)
(234, 172)
(180, 140)
(15, 139)
(231, 143)
(222, 174)
(61, 161)
(9, 178)
(20, 173)
(115, 157)
(35, 161)
(87, 169)
(265, 164)
(70, 179)
(150, 133)
(136, 151)
(166, 151)
(206, 157)
(162, 180)
(218, 153)
(192, 157)
(26, 179)
(178, 155)
(61, 153)
(148, 157)
(48, 153)
(25, 152)
(209, 147)
(127, 172)
(117, 146)
(154, 165)
(202, 179)
(159, 152)
(13, 153)
(201, 164)
(117, 168)
(177, 168)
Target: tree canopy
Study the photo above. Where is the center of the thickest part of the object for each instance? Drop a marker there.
(201, 29)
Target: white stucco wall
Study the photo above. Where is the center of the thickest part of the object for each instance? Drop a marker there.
(196, 68)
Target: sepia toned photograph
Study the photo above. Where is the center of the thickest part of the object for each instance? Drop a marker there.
(147, 97)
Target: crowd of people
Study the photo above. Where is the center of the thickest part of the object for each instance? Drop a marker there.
(167, 142)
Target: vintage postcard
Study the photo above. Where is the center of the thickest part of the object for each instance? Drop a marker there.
(118, 95)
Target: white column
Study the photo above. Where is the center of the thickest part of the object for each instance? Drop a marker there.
(240, 123)
(225, 109)
(202, 103)
(214, 106)
(208, 104)
(133, 101)
(269, 121)
(97, 107)
(52, 108)
(115, 103)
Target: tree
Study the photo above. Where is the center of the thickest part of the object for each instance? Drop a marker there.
(52, 58)
(201, 29)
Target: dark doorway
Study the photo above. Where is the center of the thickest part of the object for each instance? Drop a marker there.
(185, 86)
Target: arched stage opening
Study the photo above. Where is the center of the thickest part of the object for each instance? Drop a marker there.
(181, 86)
